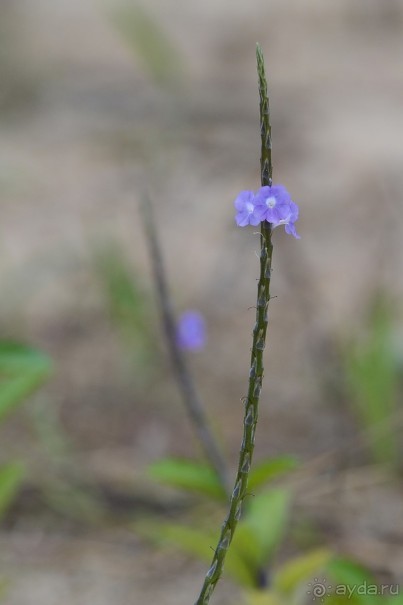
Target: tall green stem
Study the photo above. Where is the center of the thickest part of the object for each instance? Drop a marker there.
(256, 367)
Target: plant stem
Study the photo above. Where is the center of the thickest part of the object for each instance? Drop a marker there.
(256, 367)
(186, 385)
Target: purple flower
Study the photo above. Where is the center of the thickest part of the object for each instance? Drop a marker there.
(274, 205)
(191, 331)
(245, 206)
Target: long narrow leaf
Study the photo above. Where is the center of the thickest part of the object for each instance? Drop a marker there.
(188, 475)
(22, 371)
(354, 581)
(270, 469)
(197, 543)
(300, 570)
(11, 477)
(267, 517)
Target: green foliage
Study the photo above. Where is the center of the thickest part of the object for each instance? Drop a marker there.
(245, 542)
(393, 599)
(372, 372)
(188, 475)
(263, 597)
(146, 38)
(260, 531)
(267, 516)
(126, 302)
(200, 478)
(11, 477)
(199, 543)
(22, 371)
(62, 488)
(270, 469)
(258, 535)
(345, 571)
(344, 582)
(45, 416)
(354, 583)
(290, 582)
(299, 570)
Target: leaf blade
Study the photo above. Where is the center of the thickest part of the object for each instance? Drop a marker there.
(192, 476)
(22, 370)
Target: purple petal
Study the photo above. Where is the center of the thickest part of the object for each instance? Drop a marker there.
(191, 331)
(254, 219)
(290, 229)
(272, 204)
(264, 193)
(294, 212)
(280, 193)
(272, 216)
(245, 197)
(245, 204)
(260, 210)
(283, 212)
(242, 218)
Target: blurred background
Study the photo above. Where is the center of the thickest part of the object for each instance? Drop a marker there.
(103, 103)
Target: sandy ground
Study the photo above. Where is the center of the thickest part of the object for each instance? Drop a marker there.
(84, 133)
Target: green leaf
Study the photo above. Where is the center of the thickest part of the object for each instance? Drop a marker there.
(192, 541)
(11, 477)
(127, 303)
(143, 34)
(372, 372)
(354, 580)
(22, 371)
(197, 543)
(299, 570)
(262, 597)
(188, 475)
(267, 517)
(246, 545)
(270, 469)
(394, 599)
(340, 599)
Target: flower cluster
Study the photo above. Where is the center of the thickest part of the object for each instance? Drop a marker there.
(272, 204)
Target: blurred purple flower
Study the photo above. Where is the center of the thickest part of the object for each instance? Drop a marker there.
(245, 206)
(191, 331)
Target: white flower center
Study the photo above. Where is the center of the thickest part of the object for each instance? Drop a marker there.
(271, 202)
(250, 207)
